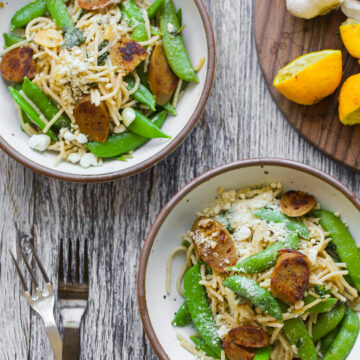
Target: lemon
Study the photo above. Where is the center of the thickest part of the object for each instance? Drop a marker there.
(350, 35)
(349, 101)
(311, 77)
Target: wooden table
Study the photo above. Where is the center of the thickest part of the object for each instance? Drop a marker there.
(240, 121)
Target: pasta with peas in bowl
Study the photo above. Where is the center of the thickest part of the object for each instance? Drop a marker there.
(96, 79)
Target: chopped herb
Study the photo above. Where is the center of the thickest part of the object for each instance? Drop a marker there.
(102, 58)
(321, 290)
(185, 243)
(93, 85)
(74, 37)
(103, 45)
(230, 229)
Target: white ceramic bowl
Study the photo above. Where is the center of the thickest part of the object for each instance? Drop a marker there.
(199, 39)
(157, 310)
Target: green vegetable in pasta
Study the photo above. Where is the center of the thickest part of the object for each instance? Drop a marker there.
(27, 13)
(170, 109)
(263, 353)
(135, 19)
(321, 307)
(182, 317)
(142, 94)
(154, 8)
(328, 340)
(201, 345)
(10, 39)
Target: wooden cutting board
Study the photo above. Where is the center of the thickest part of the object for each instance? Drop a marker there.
(280, 38)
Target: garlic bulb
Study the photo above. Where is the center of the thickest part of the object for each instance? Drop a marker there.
(351, 9)
(308, 9)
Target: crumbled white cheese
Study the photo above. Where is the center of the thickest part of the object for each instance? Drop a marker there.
(170, 28)
(119, 129)
(82, 139)
(69, 136)
(74, 158)
(128, 116)
(242, 233)
(39, 142)
(88, 160)
(223, 330)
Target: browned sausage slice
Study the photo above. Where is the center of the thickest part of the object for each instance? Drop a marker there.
(162, 80)
(248, 336)
(236, 352)
(93, 120)
(127, 54)
(290, 277)
(296, 203)
(18, 63)
(95, 4)
(214, 244)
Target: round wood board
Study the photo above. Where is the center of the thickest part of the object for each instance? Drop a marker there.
(280, 38)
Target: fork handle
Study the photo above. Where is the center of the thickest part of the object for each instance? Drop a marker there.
(71, 347)
(54, 336)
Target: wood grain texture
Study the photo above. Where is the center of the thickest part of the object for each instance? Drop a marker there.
(280, 38)
(240, 121)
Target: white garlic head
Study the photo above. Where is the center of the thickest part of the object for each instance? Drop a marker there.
(309, 9)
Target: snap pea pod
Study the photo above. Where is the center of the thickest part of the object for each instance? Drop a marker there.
(118, 144)
(30, 112)
(59, 12)
(174, 46)
(266, 258)
(170, 109)
(277, 217)
(297, 334)
(328, 340)
(343, 241)
(327, 322)
(142, 94)
(135, 19)
(182, 317)
(27, 13)
(199, 309)
(179, 16)
(44, 104)
(346, 337)
(263, 353)
(144, 127)
(154, 8)
(321, 307)
(201, 345)
(10, 39)
(256, 294)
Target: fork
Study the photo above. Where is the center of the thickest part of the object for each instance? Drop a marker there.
(73, 298)
(42, 303)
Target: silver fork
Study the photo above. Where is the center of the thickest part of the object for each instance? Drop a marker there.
(73, 298)
(42, 302)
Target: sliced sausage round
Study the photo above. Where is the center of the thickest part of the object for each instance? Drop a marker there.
(236, 352)
(290, 277)
(214, 244)
(296, 203)
(93, 120)
(18, 63)
(95, 4)
(248, 336)
(127, 54)
(162, 80)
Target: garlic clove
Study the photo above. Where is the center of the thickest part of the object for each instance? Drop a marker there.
(309, 9)
(49, 38)
(351, 8)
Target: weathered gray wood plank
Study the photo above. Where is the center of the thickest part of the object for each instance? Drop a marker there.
(240, 121)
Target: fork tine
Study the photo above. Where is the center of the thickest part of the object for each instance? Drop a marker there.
(86, 264)
(28, 267)
(22, 280)
(69, 262)
(47, 280)
(77, 261)
(61, 263)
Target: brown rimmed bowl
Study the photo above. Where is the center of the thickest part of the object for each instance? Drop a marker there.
(156, 307)
(199, 39)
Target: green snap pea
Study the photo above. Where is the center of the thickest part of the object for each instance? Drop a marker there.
(42, 101)
(277, 217)
(266, 258)
(196, 300)
(27, 13)
(139, 34)
(144, 127)
(142, 94)
(170, 109)
(297, 334)
(201, 345)
(343, 241)
(30, 112)
(10, 39)
(256, 294)
(346, 337)
(179, 16)
(135, 19)
(118, 144)
(321, 307)
(182, 317)
(154, 8)
(174, 46)
(263, 353)
(327, 322)
(328, 340)
(58, 11)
